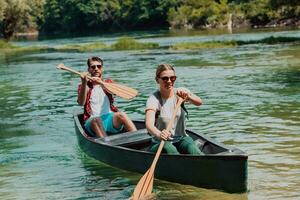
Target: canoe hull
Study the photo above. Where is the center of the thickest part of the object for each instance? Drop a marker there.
(226, 172)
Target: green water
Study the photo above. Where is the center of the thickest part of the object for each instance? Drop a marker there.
(251, 97)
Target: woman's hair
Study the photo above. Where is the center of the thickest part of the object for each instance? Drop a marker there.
(94, 58)
(163, 67)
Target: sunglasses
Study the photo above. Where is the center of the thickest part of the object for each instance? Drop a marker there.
(166, 78)
(94, 66)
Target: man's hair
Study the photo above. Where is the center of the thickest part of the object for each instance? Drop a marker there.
(94, 58)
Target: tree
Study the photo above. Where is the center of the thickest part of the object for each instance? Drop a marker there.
(286, 8)
(18, 15)
(2, 9)
(199, 13)
(53, 17)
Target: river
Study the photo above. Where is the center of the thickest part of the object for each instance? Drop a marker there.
(251, 97)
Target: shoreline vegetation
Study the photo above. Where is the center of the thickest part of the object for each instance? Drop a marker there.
(129, 43)
(54, 17)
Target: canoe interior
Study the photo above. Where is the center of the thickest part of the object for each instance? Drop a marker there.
(141, 140)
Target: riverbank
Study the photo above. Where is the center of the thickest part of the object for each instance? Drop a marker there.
(233, 25)
(289, 22)
(129, 43)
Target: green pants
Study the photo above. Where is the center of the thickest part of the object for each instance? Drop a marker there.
(185, 145)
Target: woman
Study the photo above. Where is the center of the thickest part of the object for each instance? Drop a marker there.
(159, 109)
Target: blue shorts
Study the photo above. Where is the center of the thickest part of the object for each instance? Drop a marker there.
(107, 121)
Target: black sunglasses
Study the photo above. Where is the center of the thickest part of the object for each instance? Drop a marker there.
(94, 66)
(166, 78)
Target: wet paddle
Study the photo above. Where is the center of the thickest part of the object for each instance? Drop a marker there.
(145, 184)
(113, 88)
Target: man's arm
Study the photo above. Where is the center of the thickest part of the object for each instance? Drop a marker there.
(81, 98)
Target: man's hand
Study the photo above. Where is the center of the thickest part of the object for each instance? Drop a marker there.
(84, 77)
(97, 80)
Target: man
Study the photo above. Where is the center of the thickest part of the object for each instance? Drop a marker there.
(100, 115)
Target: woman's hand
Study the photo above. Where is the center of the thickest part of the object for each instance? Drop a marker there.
(188, 96)
(183, 93)
(165, 135)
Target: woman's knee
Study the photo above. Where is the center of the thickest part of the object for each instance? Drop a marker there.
(169, 148)
(188, 146)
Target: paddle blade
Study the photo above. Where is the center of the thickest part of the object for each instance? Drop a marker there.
(121, 90)
(144, 186)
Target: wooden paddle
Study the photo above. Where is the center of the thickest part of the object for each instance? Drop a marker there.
(145, 184)
(113, 88)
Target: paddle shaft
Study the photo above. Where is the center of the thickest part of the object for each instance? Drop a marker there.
(74, 71)
(145, 185)
(113, 88)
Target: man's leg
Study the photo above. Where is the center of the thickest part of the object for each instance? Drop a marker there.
(97, 126)
(120, 118)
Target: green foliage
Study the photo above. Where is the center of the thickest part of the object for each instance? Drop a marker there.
(19, 16)
(279, 3)
(213, 13)
(35, 13)
(202, 45)
(271, 40)
(5, 45)
(102, 15)
(3, 5)
(53, 17)
(15, 15)
(8, 48)
(196, 63)
(199, 13)
(127, 43)
(124, 43)
(286, 8)
(82, 47)
(146, 13)
(91, 16)
(233, 43)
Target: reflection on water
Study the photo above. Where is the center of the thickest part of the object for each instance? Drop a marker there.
(251, 100)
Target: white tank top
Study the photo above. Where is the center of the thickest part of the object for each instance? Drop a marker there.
(99, 102)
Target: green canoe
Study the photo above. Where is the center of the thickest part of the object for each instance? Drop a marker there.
(222, 167)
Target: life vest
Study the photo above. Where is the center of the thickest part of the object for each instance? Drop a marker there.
(87, 105)
(159, 98)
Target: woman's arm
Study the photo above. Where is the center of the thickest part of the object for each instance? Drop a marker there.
(194, 99)
(190, 97)
(150, 119)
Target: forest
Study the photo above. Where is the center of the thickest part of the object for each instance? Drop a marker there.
(50, 17)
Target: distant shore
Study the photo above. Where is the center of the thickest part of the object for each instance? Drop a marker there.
(234, 25)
